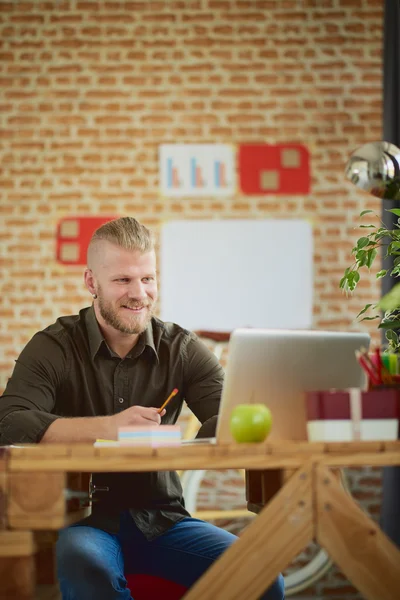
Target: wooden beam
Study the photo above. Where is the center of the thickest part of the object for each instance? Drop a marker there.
(16, 543)
(36, 500)
(4, 454)
(17, 577)
(17, 565)
(45, 558)
(266, 547)
(356, 544)
(254, 486)
(290, 455)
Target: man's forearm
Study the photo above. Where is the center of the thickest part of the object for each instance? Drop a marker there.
(80, 429)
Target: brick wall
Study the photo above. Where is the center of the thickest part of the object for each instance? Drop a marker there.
(90, 89)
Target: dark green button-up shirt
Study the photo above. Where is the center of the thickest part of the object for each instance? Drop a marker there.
(68, 370)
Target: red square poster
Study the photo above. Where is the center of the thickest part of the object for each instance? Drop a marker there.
(274, 169)
(73, 237)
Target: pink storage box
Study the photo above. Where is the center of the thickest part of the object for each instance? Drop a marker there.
(347, 415)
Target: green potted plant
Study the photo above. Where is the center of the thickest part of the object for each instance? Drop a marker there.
(367, 248)
(375, 168)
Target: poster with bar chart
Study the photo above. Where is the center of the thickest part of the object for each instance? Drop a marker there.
(197, 170)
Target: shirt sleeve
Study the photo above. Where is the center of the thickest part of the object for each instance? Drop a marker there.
(29, 397)
(204, 377)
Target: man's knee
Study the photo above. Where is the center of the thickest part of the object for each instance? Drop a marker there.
(82, 552)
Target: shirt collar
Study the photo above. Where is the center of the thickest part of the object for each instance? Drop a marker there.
(96, 338)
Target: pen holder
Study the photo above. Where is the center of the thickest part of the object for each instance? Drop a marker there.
(353, 414)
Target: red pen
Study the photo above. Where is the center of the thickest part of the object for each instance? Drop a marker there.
(372, 376)
(378, 363)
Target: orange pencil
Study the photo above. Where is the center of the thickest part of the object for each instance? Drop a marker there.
(172, 394)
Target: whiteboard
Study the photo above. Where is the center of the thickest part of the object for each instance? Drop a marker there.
(218, 275)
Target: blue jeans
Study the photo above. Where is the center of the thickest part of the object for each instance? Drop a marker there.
(91, 562)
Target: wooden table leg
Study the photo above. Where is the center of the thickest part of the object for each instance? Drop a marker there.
(357, 545)
(17, 565)
(280, 531)
(3, 487)
(261, 487)
(36, 500)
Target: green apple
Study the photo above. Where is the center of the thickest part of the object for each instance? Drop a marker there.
(250, 422)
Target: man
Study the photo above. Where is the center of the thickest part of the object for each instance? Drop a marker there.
(113, 365)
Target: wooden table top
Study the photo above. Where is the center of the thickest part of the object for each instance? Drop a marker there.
(279, 455)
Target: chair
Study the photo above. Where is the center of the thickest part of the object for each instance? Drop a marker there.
(149, 587)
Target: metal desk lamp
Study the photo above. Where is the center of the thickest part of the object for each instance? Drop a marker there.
(375, 168)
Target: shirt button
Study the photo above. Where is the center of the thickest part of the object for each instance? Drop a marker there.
(121, 400)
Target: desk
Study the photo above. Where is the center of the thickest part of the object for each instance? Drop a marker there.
(310, 505)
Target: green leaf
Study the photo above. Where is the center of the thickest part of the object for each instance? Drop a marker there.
(389, 325)
(392, 336)
(365, 212)
(351, 280)
(361, 257)
(371, 318)
(395, 211)
(381, 273)
(364, 310)
(395, 272)
(367, 226)
(371, 254)
(362, 242)
(391, 300)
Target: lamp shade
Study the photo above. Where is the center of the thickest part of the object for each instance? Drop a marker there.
(375, 168)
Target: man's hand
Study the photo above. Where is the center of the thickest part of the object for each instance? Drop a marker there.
(137, 415)
(88, 429)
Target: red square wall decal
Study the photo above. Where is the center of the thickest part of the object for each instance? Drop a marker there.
(73, 237)
(274, 169)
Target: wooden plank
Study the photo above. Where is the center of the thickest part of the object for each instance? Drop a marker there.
(116, 461)
(355, 447)
(380, 459)
(4, 454)
(36, 500)
(272, 481)
(3, 500)
(55, 457)
(17, 577)
(209, 515)
(265, 548)
(45, 557)
(16, 543)
(41, 450)
(357, 545)
(305, 448)
(17, 566)
(392, 446)
(254, 492)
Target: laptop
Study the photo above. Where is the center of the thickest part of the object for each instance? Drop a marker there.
(276, 366)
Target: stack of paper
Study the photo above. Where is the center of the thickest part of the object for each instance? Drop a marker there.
(152, 435)
(100, 443)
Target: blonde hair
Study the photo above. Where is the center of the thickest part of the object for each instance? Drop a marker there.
(127, 233)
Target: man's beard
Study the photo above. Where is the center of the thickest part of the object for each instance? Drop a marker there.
(132, 323)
